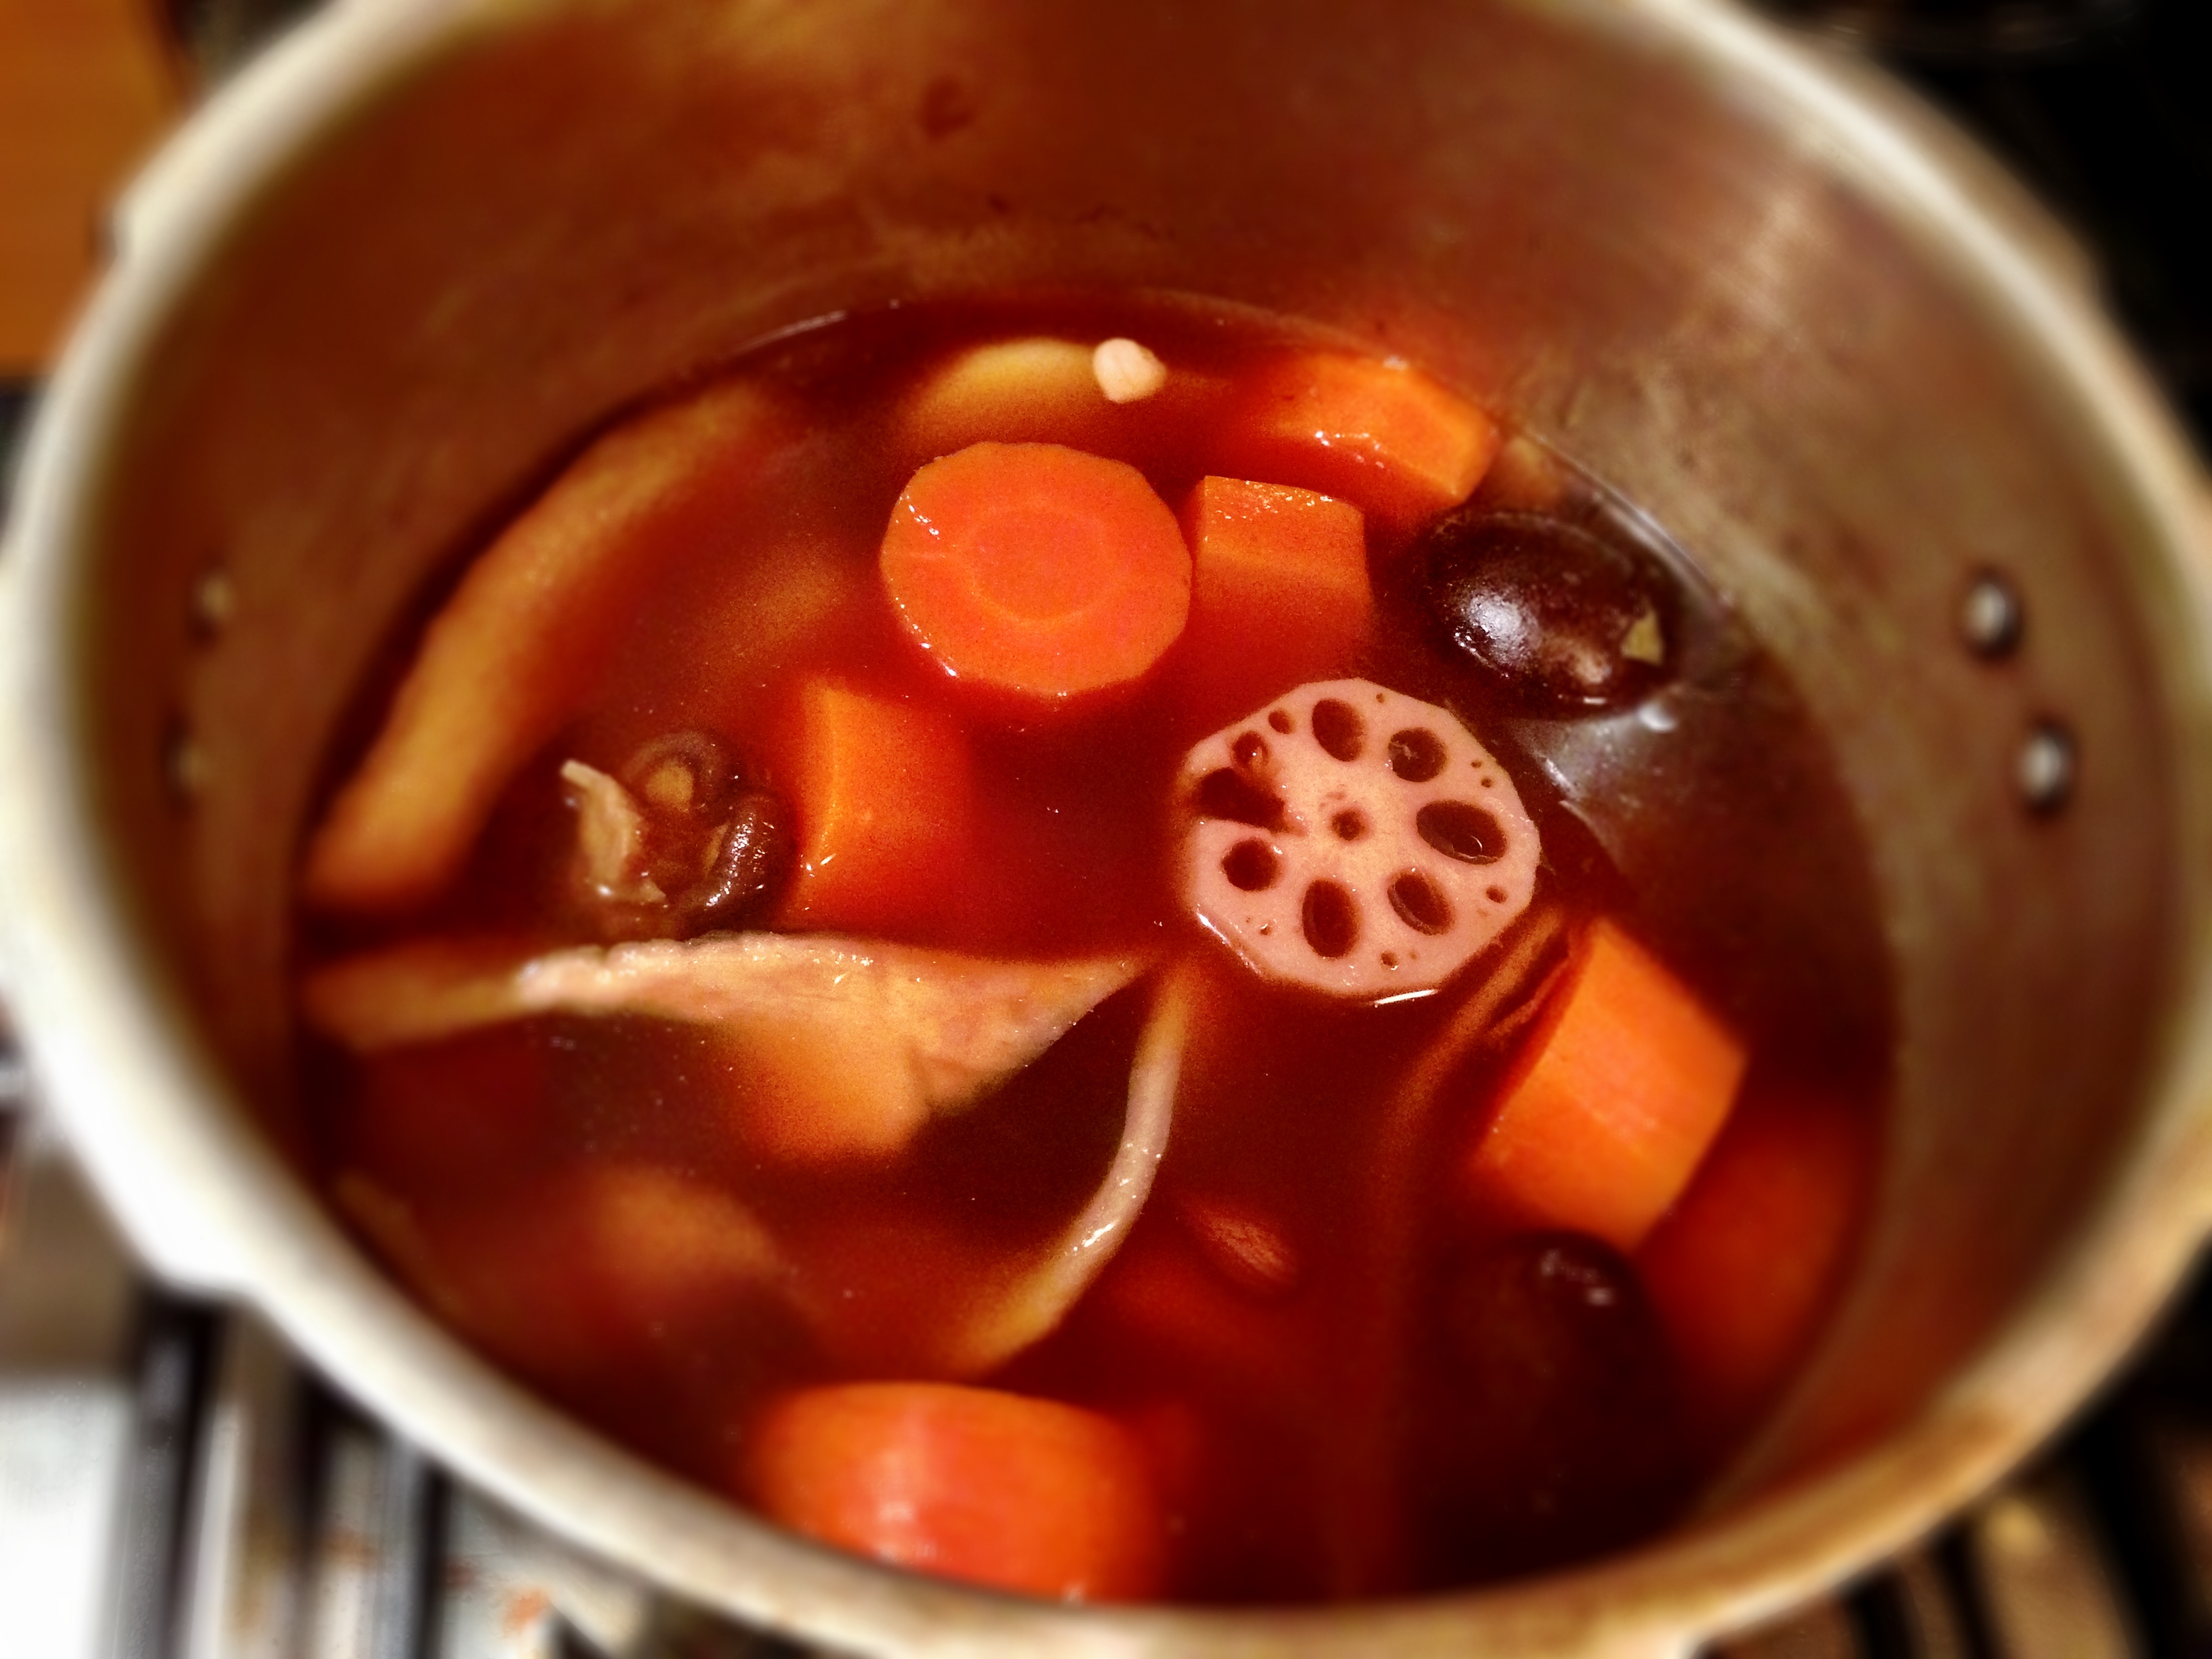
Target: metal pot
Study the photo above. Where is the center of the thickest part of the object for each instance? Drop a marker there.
(374, 290)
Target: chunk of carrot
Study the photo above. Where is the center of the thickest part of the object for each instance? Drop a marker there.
(1616, 1098)
(974, 1484)
(1279, 596)
(1036, 570)
(1742, 1268)
(883, 796)
(1371, 430)
(504, 666)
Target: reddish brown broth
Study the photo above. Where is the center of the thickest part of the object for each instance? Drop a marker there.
(1500, 1403)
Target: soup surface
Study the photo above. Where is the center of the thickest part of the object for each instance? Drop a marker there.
(1113, 950)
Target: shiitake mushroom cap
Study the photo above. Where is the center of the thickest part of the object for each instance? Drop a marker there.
(1557, 620)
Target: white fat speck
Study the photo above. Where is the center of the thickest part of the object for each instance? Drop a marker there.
(1128, 374)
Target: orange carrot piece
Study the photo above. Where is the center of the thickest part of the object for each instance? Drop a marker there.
(504, 666)
(883, 794)
(974, 1484)
(1742, 1268)
(1278, 595)
(1036, 570)
(1616, 1096)
(1365, 429)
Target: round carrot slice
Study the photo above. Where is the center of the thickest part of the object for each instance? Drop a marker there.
(975, 1483)
(1036, 569)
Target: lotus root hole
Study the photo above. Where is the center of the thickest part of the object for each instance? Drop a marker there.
(1349, 824)
(1223, 793)
(1417, 754)
(1280, 719)
(1338, 729)
(1249, 748)
(1461, 831)
(1330, 919)
(1419, 905)
(1252, 867)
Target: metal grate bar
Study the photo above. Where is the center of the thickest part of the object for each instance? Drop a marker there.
(242, 1593)
(171, 1378)
(66, 1299)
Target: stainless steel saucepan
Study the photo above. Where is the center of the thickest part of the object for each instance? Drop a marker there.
(372, 292)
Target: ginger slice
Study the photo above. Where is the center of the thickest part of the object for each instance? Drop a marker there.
(865, 1040)
(1353, 841)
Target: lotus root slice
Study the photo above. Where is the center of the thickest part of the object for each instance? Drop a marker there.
(1353, 841)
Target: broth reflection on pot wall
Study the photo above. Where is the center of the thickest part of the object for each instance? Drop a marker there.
(395, 289)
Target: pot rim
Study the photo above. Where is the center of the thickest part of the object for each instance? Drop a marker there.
(211, 1208)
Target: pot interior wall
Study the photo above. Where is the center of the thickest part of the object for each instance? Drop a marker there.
(1645, 266)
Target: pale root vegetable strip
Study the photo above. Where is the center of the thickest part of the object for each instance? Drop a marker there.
(503, 666)
(882, 795)
(1111, 398)
(1278, 594)
(846, 1067)
(1037, 390)
(420, 992)
(1035, 570)
(1033, 1300)
(1618, 1093)
(850, 1045)
(1743, 1266)
(1370, 430)
(972, 1484)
